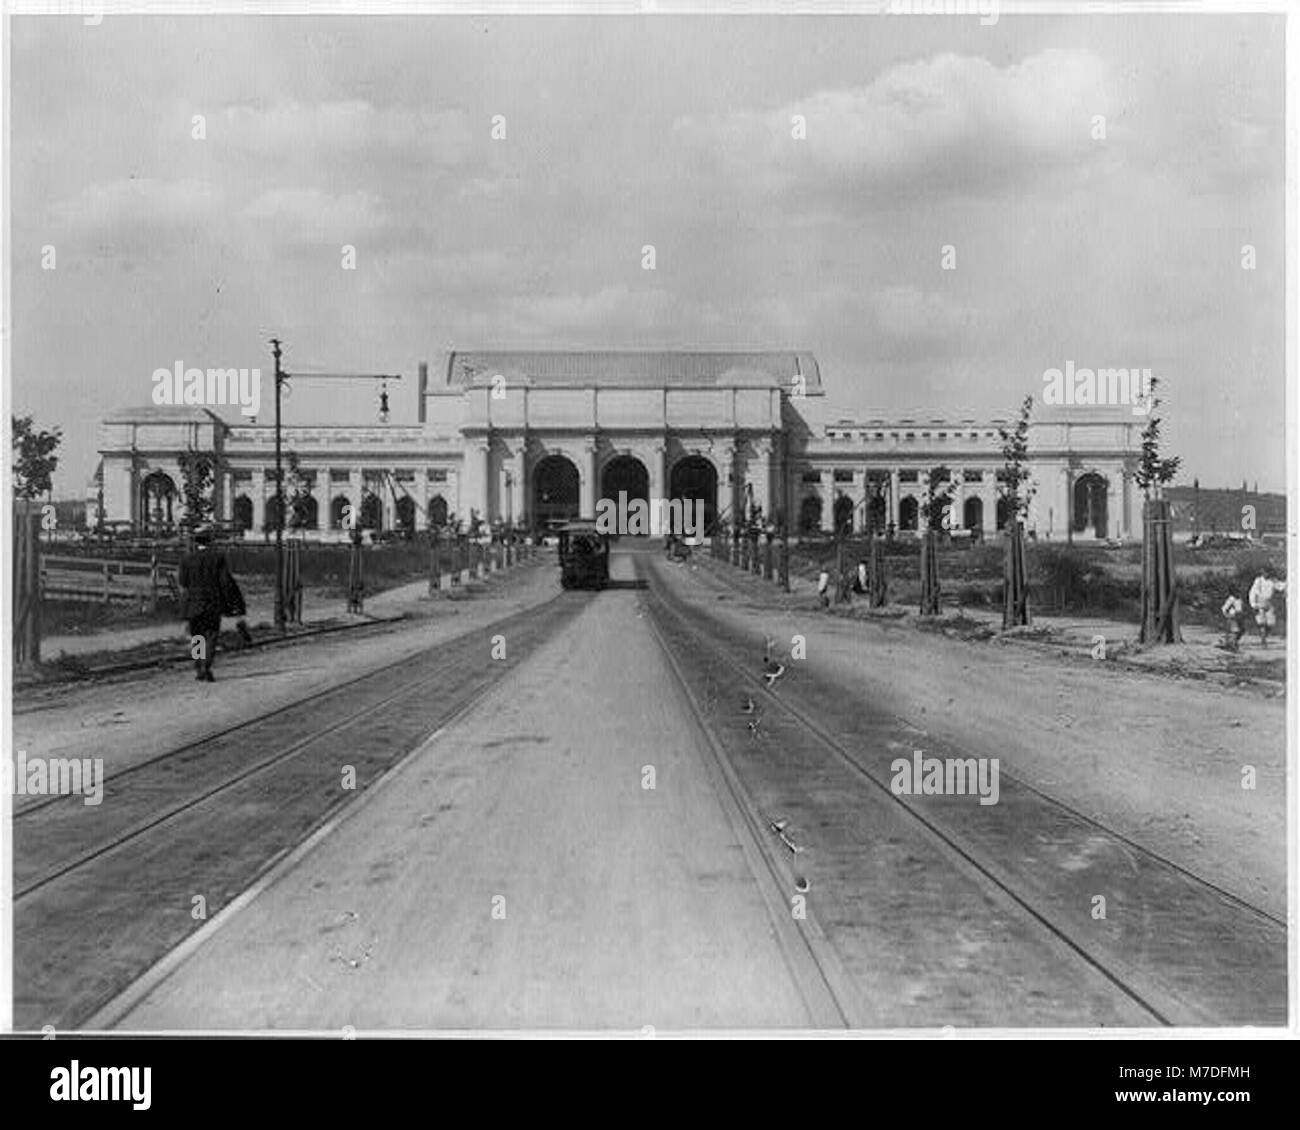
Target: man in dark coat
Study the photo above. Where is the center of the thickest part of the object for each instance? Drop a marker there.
(210, 592)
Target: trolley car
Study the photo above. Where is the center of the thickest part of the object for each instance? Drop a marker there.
(584, 556)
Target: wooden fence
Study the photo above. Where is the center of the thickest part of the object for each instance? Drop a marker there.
(102, 580)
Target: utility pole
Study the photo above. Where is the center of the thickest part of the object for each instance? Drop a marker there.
(279, 496)
(281, 377)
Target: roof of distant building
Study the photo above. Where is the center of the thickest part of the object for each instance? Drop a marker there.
(152, 414)
(636, 369)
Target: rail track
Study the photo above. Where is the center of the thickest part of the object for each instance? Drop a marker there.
(1161, 951)
(101, 893)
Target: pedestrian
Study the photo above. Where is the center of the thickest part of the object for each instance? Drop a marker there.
(1261, 600)
(210, 592)
(823, 588)
(1233, 610)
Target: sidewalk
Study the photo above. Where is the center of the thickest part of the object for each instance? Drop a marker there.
(322, 607)
(1199, 656)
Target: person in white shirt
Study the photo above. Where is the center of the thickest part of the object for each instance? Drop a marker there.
(1261, 600)
(1232, 612)
(823, 584)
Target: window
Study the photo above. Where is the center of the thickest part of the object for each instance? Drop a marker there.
(437, 475)
(337, 476)
(910, 435)
(907, 476)
(812, 476)
(843, 476)
(973, 476)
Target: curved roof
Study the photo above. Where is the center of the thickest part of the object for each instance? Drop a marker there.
(634, 368)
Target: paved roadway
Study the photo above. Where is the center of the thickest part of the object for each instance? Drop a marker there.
(514, 872)
(617, 906)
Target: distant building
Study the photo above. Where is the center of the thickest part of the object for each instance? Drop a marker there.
(1222, 511)
(532, 436)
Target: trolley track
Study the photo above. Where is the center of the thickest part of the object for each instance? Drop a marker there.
(101, 893)
(1180, 949)
(725, 580)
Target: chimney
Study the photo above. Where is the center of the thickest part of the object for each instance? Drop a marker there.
(423, 392)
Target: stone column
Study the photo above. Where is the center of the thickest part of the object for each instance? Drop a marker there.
(1113, 521)
(325, 500)
(658, 474)
(474, 488)
(422, 498)
(356, 488)
(257, 491)
(587, 479)
(728, 495)
(518, 478)
(958, 519)
(922, 489)
(827, 492)
(760, 474)
(892, 511)
(226, 501)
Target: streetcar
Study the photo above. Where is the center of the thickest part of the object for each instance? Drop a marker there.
(584, 556)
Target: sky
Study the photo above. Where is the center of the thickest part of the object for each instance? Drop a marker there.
(921, 133)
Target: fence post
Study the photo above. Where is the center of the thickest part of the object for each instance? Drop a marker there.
(27, 591)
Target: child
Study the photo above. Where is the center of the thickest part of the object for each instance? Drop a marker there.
(1232, 612)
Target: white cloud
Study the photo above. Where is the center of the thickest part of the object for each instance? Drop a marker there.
(336, 129)
(950, 122)
(308, 214)
(134, 202)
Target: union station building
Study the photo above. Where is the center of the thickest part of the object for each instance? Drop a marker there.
(526, 437)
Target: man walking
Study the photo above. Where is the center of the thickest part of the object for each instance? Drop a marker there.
(210, 591)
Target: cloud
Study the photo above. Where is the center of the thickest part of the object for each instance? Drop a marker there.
(309, 215)
(136, 203)
(345, 128)
(949, 124)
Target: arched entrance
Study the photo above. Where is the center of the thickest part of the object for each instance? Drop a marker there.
(303, 514)
(437, 512)
(555, 490)
(372, 512)
(810, 514)
(1089, 512)
(339, 511)
(157, 499)
(1003, 512)
(972, 513)
(624, 473)
(405, 514)
(695, 478)
(844, 514)
(243, 513)
(909, 510)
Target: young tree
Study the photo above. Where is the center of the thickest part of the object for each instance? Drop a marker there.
(937, 501)
(938, 498)
(1015, 488)
(1017, 493)
(298, 494)
(1159, 579)
(36, 462)
(198, 476)
(1153, 472)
